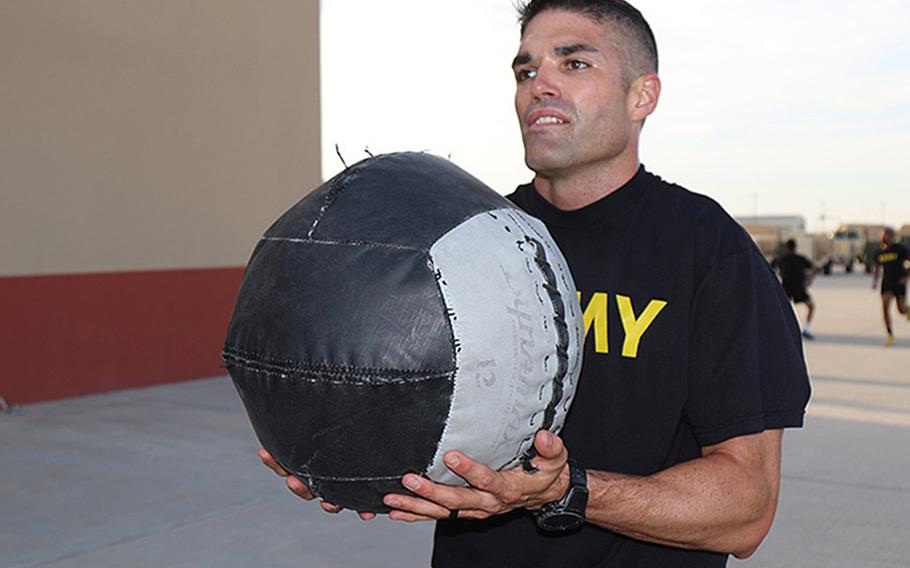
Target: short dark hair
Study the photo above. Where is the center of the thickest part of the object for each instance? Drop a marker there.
(637, 45)
(791, 244)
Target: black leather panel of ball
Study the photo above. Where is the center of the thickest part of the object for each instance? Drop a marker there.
(366, 431)
(336, 304)
(406, 199)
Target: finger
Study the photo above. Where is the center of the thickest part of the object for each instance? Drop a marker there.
(548, 445)
(367, 516)
(299, 488)
(549, 448)
(478, 475)
(330, 508)
(408, 517)
(414, 507)
(447, 497)
(270, 462)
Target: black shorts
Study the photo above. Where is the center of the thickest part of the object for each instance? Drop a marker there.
(797, 294)
(896, 288)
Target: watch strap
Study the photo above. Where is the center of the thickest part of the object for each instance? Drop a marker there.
(569, 511)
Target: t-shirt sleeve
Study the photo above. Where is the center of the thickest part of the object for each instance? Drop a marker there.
(746, 368)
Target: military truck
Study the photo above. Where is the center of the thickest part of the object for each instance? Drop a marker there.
(855, 242)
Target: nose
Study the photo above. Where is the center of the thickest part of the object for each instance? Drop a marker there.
(546, 84)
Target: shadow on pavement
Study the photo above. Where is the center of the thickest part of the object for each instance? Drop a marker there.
(858, 382)
(860, 340)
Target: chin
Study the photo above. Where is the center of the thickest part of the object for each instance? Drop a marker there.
(541, 163)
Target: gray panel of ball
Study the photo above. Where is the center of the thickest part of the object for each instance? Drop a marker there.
(503, 324)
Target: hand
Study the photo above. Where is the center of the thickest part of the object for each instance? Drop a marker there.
(300, 488)
(490, 492)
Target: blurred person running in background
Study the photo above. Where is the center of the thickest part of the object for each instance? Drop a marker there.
(797, 273)
(894, 261)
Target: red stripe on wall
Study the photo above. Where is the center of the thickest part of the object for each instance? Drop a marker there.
(76, 334)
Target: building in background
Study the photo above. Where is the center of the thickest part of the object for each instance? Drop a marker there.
(145, 147)
(849, 245)
(770, 232)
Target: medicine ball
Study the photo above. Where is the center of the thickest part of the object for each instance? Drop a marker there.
(401, 310)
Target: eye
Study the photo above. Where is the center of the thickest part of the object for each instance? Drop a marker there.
(525, 74)
(577, 65)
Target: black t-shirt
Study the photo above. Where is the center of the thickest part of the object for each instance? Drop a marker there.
(690, 342)
(793, 269)
(894, 263)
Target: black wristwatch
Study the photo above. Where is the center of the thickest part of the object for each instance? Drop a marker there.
(569, 512)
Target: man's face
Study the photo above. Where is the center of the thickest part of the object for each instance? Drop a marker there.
(571, 101)
(887, 238)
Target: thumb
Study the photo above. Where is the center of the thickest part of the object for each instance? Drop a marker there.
(548, 445)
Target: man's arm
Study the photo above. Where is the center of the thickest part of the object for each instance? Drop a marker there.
(874, 275)
(723, 501)
(905, 263)
(813, 271)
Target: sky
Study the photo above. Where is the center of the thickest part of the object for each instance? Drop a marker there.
(771, 107)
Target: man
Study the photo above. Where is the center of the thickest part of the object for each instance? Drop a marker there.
(793, 270)
(695, 365)
(894, 261)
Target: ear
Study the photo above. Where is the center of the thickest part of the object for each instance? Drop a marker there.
(644, 92)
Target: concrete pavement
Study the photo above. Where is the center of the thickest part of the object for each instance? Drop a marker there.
(845, 495)
(168, 476)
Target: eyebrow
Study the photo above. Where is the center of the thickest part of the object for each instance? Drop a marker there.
(521, 59)
(562, 51)
(574, 48)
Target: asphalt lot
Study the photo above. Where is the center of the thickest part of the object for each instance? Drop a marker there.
(168, 476)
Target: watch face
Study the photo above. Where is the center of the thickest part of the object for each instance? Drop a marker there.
(569, 512)
(562, 521)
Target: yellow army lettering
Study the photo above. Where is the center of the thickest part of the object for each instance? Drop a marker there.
(595, 313)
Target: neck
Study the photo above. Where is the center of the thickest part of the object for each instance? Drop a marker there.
(583, 186)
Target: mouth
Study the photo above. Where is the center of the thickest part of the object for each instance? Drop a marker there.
(546, 118)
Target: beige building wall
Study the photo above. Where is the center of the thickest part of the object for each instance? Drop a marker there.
(152, 134)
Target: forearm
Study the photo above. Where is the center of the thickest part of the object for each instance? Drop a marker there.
(716, 502)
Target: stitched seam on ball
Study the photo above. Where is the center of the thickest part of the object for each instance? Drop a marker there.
(572, 307)
(451, 319)
(233, 351)
(368, 381)
(559, 320)
(352, 376)
(363, 478)
(298, 240)
(337, 188)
